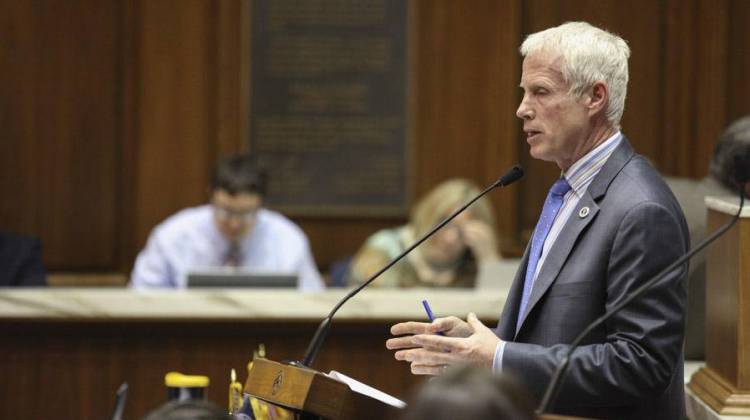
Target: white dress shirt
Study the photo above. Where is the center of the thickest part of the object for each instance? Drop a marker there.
(189, 240)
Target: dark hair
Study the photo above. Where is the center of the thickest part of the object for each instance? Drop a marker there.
(239, 174)
(471, 392)
(188, 410)
(733, 143)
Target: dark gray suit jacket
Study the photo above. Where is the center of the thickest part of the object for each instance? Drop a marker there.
(631, 367)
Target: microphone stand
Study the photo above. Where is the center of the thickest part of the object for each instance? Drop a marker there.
(554, 385)
(514, 174)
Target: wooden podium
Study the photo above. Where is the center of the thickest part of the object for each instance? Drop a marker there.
(314, 394)
(311, 393)
(724, 383)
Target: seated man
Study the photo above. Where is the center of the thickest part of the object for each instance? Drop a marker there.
(21, 261)
(233, 230)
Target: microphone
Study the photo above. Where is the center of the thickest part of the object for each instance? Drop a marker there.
(122, 393)
(553, 388)
(514, 174)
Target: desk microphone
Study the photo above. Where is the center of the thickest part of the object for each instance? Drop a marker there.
(514, 174)
(553, 388)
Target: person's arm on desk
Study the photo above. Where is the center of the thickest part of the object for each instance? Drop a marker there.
(480, 239)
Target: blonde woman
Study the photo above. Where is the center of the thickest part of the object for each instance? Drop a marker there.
(453, 257)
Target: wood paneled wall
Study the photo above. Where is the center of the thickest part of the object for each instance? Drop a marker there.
(114, 112)
(60, 113)
(466, 72)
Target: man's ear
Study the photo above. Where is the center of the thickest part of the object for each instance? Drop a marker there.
(599, 94)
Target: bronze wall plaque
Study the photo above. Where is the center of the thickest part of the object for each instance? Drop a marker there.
(329, 105)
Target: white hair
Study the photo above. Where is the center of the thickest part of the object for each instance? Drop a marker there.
(589, 55)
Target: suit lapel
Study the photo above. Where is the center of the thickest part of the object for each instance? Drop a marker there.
(574, 226)
(562, 247)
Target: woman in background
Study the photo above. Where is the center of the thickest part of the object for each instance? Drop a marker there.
(459, 254)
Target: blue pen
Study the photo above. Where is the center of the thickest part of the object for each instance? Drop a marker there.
(430, 315)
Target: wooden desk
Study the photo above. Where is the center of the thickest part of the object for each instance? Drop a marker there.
(724, 383)
(64, 352)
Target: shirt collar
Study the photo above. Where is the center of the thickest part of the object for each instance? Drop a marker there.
(583, 171)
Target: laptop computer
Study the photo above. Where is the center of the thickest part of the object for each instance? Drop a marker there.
(232, 277)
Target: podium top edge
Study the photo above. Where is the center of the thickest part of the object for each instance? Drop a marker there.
(728, 205)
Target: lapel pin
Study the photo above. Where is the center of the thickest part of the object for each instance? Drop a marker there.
(583, 212)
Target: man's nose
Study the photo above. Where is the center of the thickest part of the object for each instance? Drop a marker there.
(524, 111)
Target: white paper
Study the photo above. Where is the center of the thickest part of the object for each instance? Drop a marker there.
(363, 389)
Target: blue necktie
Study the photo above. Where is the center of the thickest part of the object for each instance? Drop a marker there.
(551, 206)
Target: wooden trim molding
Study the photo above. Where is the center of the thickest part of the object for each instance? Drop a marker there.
(719, 394)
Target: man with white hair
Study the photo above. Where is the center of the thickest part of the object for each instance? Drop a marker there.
(609, 225)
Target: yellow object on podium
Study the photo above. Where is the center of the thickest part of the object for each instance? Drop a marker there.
(184, 387)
